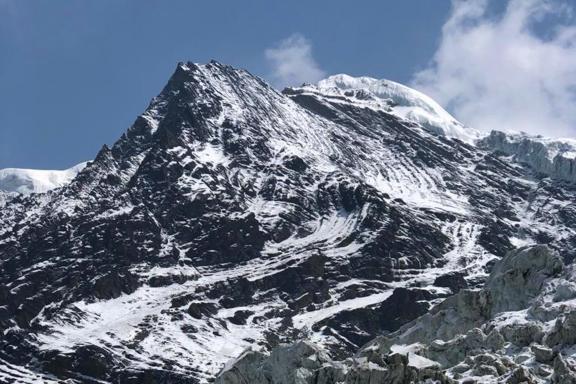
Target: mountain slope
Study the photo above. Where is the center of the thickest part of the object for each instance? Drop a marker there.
(518, 329)
(395, 99)
(230, 216)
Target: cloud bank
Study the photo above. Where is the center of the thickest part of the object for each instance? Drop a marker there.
(515, 71)
(292, 62)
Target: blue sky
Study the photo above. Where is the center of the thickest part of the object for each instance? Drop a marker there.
(74, 74)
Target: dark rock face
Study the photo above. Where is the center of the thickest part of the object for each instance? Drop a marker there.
(403, 306)
(112, 285)
(199, 310)
(230, 215)
(495, 238)
(469, 335)
(360, 325)
(89, 361)
(453, 280)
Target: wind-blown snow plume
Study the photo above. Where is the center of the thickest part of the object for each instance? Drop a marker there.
(516, 71)
(26, 181)
(292, 62)
(231, 216)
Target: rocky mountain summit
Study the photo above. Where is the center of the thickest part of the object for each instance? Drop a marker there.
(346, 232)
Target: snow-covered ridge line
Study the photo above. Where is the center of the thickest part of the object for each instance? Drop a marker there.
(565, 147)
(550, 156)
(26, 181)
(397, 99)
(230, 216)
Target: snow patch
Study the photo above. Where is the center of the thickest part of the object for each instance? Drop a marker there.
(399, 100)
(26, 181)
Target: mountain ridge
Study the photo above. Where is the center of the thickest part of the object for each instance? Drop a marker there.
(230, 215)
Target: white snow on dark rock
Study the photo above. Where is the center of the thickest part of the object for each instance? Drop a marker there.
(231, 216)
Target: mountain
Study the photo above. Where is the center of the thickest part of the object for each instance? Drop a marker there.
(231, 216)
(395, 99)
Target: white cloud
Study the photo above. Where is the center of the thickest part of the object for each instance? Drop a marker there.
(292, 62)
(499, 73)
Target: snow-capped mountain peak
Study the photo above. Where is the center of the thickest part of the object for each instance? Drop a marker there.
(231, 216)
(397, 99)
(26, 181)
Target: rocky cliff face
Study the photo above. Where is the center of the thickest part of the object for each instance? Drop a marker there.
(517, 329)
(231, 216)
(15, 182)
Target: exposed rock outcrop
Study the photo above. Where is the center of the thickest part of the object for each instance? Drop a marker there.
(483, 336)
